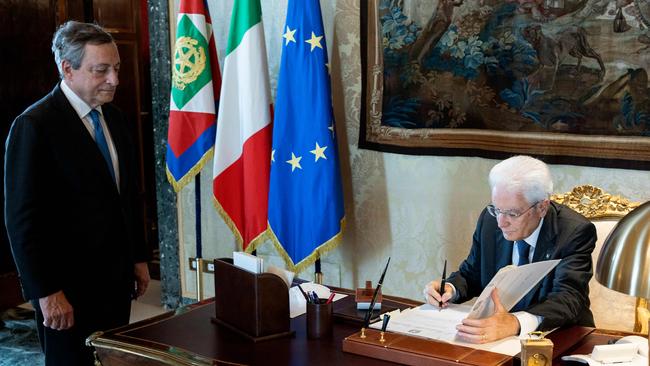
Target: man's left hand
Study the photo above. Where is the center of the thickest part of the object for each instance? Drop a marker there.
(499, 325)
(142, 278)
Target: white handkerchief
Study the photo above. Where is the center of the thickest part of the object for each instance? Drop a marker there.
(297, 302)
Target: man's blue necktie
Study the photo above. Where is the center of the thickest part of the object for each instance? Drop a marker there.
(100, 139)
(523, 249)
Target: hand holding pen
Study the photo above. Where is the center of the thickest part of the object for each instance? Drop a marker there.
(434, 292)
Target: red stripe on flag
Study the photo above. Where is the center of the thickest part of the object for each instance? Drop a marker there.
(192, 7)
(242, 189)
(186, 127)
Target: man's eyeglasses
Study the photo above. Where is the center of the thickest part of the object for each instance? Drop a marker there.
(509, 214)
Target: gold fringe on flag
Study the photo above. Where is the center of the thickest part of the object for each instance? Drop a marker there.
(238, 237)
(310, 259)
(196, 169)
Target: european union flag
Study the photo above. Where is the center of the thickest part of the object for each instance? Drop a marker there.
(305, 199)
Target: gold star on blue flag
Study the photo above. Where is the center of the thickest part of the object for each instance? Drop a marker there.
(305, 199)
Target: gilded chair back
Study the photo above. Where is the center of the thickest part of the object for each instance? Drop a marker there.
(612, 310)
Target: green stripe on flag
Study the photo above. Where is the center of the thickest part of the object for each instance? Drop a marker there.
(191, 69)
(245, 14)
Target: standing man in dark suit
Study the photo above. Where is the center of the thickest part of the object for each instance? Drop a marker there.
(521, 226)
(70, 208)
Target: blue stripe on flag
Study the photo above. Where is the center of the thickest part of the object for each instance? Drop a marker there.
(183, 164)
(306, 202)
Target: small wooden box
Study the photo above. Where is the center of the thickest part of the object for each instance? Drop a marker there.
(363, 297)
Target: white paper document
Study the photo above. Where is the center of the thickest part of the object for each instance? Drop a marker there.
(248, 262)
(430, 322)
(513, 282)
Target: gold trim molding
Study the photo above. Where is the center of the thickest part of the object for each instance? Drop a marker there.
(594, 203)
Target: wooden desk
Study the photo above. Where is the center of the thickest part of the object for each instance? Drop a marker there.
(192, 339)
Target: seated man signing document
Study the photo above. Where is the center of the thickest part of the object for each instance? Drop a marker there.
(522, 226)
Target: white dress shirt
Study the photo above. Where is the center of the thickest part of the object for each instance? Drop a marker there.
(527, 321)
(83, 111)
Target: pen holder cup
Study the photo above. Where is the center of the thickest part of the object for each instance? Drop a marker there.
(319, 319)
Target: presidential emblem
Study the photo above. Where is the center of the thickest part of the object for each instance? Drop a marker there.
(189, 62)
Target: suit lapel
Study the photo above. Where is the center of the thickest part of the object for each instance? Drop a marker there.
(504, 251)
(71, 122)
(75, 130)
(547, 235)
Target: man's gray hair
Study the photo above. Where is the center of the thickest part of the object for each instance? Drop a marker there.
(525, 175)
(70, 40)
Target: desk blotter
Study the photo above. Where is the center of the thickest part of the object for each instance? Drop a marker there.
(409, 350)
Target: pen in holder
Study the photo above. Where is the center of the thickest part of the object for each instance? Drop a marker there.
(384, 325)
(319, 319)
(371, 307)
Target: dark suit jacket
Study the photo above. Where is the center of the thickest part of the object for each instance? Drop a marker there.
(562, 297)
(68, 226)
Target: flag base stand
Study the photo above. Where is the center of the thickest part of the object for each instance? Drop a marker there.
(199, 279)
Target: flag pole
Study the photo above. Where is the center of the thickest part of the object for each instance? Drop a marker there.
(192, 109)
(199, 245)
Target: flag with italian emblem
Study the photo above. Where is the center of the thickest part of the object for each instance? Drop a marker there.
(195, 87)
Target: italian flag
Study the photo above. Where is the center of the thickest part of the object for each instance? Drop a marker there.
(244, 130)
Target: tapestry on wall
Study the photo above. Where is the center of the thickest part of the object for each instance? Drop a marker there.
(565, 80)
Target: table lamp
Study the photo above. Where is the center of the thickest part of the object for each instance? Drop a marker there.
(624, 261)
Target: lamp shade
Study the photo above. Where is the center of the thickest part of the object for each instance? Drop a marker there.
(624, 261)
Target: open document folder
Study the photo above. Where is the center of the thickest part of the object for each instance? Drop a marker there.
(431, 322)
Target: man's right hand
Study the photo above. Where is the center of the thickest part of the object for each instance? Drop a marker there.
(57, 311)
(432, 294)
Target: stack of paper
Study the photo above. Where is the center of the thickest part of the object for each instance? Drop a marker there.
(248, 262)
